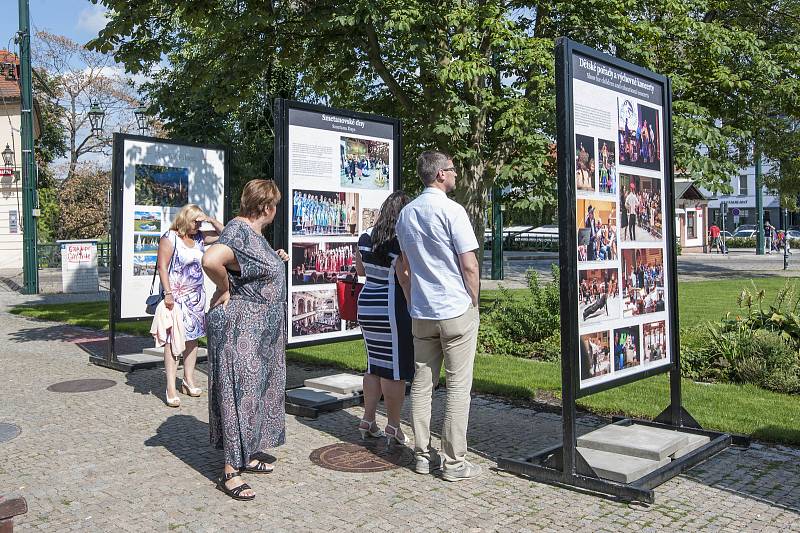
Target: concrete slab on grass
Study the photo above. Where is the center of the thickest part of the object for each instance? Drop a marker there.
(349, 384)
(618, 467)
(635, 440)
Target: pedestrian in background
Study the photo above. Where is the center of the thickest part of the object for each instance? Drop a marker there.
(438, 242)
(247, 340)
(180, 252)
(714, 233)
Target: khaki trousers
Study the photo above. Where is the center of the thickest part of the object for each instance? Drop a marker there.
(452, 341)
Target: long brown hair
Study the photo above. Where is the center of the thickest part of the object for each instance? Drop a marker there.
(384, 231)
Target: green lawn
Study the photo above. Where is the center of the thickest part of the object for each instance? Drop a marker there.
(733, 408)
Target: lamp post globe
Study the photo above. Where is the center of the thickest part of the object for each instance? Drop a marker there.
(96, 118)
(142, 120)
(8, 157)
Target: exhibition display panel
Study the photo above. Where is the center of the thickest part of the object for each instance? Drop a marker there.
(152, 179)
(619, 307)
(334, 168)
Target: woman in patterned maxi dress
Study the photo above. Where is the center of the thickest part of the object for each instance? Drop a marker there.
(180, 251)
(247, 340)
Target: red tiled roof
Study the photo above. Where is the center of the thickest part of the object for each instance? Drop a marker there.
(9, 88)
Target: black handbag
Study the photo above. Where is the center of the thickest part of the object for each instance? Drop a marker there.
(152, 301)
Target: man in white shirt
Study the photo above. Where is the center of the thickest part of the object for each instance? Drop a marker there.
(438, 244)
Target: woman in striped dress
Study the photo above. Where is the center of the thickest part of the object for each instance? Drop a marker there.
(384, 320)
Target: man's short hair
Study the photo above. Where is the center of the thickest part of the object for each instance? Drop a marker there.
(429, 163)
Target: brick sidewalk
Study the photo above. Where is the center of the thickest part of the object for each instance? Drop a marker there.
(119, 460)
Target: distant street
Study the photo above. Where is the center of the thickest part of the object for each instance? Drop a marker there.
(691, 267)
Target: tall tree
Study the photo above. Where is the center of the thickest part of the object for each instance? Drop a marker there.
(475, 77)
(79, 77)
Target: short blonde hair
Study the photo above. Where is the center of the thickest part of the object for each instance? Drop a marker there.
(256, 196)
(184, 222)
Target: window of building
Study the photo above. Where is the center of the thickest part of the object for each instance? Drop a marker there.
(743, 185)
(691, 229)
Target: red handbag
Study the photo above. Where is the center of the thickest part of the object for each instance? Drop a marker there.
(347, 293)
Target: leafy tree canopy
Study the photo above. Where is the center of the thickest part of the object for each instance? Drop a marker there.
(474, 78)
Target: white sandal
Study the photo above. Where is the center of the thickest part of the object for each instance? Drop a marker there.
(393, 436)
(172, 402)
(375, 433)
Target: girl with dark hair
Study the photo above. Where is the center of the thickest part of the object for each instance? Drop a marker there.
(384, 320)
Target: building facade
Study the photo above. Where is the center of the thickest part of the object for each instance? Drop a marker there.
(691, 216)
(741, 203)
(10, 177)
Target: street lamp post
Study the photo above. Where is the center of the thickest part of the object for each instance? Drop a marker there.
(30, 266)
(8, 158)
(142, 120)
(96, 119)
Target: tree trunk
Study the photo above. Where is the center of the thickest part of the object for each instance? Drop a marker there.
(471, 193)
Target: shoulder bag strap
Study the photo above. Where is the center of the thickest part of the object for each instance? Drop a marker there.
(169, 269)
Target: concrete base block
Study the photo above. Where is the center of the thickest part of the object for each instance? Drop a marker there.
(637, 441)
(310, 396)
(695, 441)
(139, 358)
(201, 352)
(619, 468)
(348, 384)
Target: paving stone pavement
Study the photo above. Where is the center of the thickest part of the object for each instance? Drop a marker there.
(119, 460)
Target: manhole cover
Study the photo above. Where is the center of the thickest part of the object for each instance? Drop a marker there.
(362, 458)
(8, 431)
(82, 385)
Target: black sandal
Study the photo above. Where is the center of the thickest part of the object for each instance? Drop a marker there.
(235, 492)
(260, 467)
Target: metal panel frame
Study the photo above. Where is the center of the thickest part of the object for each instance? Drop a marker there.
(281, 165)
(563, 464)
(117, 194)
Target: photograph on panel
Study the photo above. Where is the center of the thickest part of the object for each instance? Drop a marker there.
(639, 135)
(595, 354)
(315, 312)
(584, 163)
(314, 262)
(626, 348)
(144, 264)
(144, 243)
(598, 295)
(597, 230)
(161, 185)
(368, 217)
(654, 341)
(147, 221)
(324, 213)
(364, 163)
(641, 206)
(642, 281)
(607, 166)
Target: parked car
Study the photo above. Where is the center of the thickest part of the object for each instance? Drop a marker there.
(726, 234)
(793, 234)
(744, 233)
(745, 227)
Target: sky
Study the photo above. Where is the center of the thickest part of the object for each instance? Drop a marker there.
(80, 20)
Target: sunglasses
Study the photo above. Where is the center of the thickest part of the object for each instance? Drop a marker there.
(450, 169)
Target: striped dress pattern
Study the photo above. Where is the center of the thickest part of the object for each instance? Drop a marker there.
(383, 316)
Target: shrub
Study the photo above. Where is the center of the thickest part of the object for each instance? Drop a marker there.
(781, 316)
(524, 327)
(740, 242)
(761, 357)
